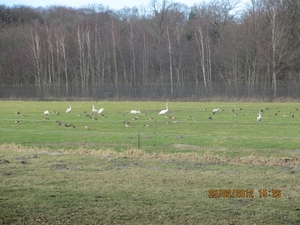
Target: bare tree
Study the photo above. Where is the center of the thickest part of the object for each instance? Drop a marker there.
(280, 53)
(82, 32)
(170, 51)
(204, 52)
(35, 53)
(62, 50)
(114, 53)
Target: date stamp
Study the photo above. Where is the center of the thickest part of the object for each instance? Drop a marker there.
(243, 193)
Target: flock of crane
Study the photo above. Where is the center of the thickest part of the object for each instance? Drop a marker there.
(136, 112)
(98, 112)
(259, 115)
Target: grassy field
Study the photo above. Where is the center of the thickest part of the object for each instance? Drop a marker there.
(188, 125)
(189, 169)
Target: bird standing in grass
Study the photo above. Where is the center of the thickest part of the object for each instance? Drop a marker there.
(69, 109)
(101, 111)
(164, 111)
(126, 124)
(71, 125)
(135, 112)
(215, 110)
(94, 110)
(259, 117)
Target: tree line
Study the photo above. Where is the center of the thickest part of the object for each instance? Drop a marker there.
(209, 49)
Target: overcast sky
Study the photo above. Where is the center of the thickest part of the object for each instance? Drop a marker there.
(114, 4)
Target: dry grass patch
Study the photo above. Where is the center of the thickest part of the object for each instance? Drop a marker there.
(135, 187)
(205, 156)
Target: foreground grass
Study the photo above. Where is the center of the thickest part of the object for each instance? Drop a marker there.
(42, 186)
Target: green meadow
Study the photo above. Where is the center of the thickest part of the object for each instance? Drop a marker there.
(189, 166)
(187, 124)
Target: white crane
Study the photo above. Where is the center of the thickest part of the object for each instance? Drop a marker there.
(94, 110)
(46, 113)
(258, 117)
(164, 111)
(135, 112)
(69, 109)
(100, 110)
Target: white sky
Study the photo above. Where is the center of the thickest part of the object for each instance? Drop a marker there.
(113, 4)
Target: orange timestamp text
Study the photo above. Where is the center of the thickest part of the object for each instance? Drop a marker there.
(243, 193)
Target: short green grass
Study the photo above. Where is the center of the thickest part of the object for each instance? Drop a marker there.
(188, 125)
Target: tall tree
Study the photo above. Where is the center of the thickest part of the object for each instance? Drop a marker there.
(35, 53)
(280, 52)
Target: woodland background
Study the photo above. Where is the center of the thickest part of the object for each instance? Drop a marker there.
(166, 50)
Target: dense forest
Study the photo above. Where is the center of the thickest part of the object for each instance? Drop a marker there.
(164, 50)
